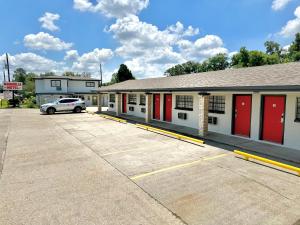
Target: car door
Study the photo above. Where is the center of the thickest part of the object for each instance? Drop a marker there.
(62, 105)
(70, 104)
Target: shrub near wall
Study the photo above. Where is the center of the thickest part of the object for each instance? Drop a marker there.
(3, 103)
(29, 102)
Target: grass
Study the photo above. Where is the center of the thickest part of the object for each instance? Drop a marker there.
(3, 104)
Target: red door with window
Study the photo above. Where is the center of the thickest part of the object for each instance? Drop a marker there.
(242, 115)
(168, 107)
(273, 118)
(157, 106)
(124, 103)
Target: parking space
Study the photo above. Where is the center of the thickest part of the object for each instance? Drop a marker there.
(202, 184)
(199, 184)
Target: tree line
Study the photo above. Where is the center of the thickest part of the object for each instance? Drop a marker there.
(274, 54)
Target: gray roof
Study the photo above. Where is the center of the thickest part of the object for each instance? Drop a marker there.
(268, 78)
(67, 78)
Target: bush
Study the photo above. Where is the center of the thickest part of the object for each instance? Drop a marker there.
(29, 102)
(3, 103)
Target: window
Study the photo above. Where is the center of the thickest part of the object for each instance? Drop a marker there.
(142, 100)
(112, 98)
(67, 100)
(89, 84)
(216, 104)
(55, 83)
(298, 110)
(184, 102)
(132, 99)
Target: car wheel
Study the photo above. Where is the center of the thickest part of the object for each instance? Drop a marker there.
(50, 111)
(77, 110)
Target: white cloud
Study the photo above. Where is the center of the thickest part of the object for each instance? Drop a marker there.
(112, 8)
(32, 62)
(279, 4)
(71, 55)
(178, 28)
(45, 41)
(202, 48)
(149, 51)
(293, 26)
(89, 62)
(48, 20)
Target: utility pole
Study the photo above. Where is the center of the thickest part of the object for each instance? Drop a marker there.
(7, 67)
(8, 74)
(4, 76)
(100, 75)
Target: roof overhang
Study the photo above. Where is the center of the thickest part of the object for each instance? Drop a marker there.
(286, 88)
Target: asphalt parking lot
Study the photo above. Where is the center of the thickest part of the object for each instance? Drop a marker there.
(84, 169)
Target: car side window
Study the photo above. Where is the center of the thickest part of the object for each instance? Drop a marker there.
(64, 101)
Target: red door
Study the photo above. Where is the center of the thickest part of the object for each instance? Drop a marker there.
(168, 107)
(242, 114)
(124, 103)
(157, 106)
(273, 118)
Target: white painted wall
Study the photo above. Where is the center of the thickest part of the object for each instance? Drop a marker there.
(111, 109)
(80, 86)
(137, 108)
(292, 128)
(44, 86)
(223, 125)
(192, 116)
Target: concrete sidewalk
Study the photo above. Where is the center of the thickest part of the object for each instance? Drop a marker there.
(50, 177)
(275, 152)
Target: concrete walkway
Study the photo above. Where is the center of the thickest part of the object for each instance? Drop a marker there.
(50, 177)
(279, 153)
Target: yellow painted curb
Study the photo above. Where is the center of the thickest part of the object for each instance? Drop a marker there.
(113, 118)
(178, 136)
(275, 163)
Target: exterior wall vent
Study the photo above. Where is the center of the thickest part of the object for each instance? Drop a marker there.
(131, 108)
(143, 110)
(213, 120)
(182, 116)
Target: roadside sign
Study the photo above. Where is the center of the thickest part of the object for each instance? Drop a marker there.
(12, 86)
(7, 95)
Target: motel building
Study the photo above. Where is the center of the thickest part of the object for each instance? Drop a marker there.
(50, 88)
(256, 103)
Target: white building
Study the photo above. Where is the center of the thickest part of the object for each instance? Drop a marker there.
(257, 103)
(51, 88)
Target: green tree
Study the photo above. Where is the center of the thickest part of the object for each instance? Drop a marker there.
(218, 62)
(124, 74)
(20, 75)
(240, 59)
(272, 47)
(47, 74)
(295, 46)
(257, 58)
(114, 78)
(70, 74)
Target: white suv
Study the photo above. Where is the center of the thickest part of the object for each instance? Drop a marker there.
(64, 104)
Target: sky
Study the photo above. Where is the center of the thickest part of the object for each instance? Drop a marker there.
(149, 36)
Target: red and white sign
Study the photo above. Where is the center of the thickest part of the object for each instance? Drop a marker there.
(12, 86)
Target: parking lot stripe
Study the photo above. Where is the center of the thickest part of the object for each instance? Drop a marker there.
(113, 153)
(177, 166)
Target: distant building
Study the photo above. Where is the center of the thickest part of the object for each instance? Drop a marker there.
(51, 88)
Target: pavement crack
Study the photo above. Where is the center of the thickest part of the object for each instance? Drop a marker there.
(121, 172)
(255, 181)
(2, 159)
